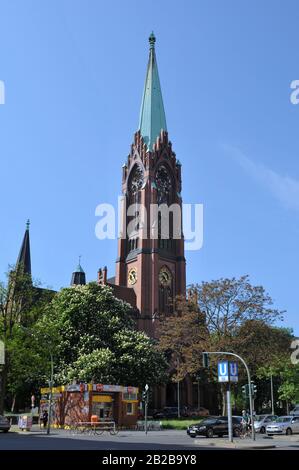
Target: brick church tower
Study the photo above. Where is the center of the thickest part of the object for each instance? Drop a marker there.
(151, 256)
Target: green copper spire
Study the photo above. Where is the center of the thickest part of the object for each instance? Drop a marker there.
(152, 115)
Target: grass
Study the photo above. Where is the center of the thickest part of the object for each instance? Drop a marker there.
(179, 424)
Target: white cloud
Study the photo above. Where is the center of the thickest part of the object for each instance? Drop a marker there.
(284, 188)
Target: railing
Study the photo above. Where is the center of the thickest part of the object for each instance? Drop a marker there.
(95, 428)
(151, 426)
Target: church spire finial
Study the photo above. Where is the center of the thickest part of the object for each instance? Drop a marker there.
(152, 40)
(27, 224)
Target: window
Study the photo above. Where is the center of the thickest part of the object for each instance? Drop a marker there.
(129, 396)
(130, 408)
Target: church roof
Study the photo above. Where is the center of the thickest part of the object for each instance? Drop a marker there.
(152, 115)
(24, 258)
(78, 276)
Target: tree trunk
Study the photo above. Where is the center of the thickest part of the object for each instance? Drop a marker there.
(12, 409)
(3, 377)
(288, 408)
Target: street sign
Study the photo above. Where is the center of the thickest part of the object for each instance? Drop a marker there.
(233, 371)
(223, 371)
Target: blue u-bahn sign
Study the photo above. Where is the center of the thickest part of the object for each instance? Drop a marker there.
(227, 371)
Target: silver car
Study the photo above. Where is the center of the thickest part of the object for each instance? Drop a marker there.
(283, 425)
(261, 421)
(4, 424)
(295, 411)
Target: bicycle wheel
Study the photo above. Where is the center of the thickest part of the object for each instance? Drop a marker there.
(99, 431)
(114, 431)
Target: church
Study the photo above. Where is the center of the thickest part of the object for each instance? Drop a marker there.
(150, 271)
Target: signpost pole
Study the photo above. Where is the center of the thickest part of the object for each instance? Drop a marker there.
(145, 407)
(229, 415)
(226, 353)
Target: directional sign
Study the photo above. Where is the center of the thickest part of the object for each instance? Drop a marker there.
(223, 371)
(233, 372)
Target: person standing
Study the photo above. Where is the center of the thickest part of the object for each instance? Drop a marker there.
(45, 418)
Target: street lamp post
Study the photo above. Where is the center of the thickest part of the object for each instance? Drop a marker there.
(272, 394)
(145, 407)
(50, 394)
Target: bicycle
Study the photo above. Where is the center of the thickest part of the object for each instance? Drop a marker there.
(245, 431)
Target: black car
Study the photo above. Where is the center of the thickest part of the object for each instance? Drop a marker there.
(212, 426)
(169, 412)
(4, 424)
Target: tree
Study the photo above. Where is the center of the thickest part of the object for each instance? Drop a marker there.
(21, 303)
(183, 336)
(15, 301)
(288, 376)
(98, 341)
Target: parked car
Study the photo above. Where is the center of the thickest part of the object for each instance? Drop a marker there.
(169, 412)
(4, 424)
(215, 426)
(283, 425)
(194, 412)
(295, 411)
(261, 421)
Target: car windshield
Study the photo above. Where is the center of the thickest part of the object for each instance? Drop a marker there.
(207, 421)
(259, 417)
(283, 419)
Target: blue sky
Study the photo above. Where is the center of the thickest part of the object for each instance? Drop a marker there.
(74, 72)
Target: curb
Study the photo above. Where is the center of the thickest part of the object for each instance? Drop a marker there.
(232, 445)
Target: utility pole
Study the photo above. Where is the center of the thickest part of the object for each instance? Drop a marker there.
(272, 394)
(178, 390)
(50, 394)
(145, 406)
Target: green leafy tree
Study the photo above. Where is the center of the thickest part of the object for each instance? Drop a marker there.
(98, 341)
(223, 315)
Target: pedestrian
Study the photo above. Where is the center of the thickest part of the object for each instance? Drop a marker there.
(45, 418)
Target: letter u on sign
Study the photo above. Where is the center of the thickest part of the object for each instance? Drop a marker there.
(223, 371)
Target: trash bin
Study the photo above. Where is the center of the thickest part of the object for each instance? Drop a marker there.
(25, 423)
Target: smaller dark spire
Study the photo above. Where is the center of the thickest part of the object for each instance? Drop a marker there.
(78, 276)
(24, 258)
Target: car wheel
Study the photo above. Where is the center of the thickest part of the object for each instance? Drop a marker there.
(289, 432)
(192, 435)
(237, 432)
(210, 433)
(219, 435)
(269, 435)
(5, 430)
(262, 430)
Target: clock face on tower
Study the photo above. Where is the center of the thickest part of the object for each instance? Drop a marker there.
(137, 179)
(132, 276)
(164, 183)
(165, 276)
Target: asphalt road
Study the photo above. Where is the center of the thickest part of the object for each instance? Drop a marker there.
(134, 440)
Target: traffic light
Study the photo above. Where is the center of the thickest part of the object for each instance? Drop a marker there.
(205, 359)
(145, 394)
(253, 389)
(245, 391)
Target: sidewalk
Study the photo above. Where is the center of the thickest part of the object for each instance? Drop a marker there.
(259, 443)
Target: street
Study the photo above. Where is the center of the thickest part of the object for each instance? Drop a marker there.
(135, 440)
